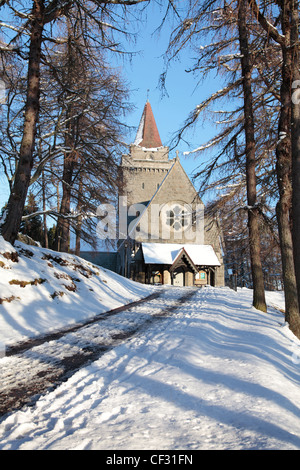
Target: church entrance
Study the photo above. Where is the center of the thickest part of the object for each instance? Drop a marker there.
(178, 278)
(183, 270)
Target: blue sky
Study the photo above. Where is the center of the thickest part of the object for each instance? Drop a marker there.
(169, 111)
(143, 73)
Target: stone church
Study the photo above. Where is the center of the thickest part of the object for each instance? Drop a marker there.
(167, 238)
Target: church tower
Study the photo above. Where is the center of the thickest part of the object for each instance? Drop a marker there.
(168, 239)
(144, 169)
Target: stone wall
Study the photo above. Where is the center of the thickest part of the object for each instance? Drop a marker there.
(143, 172)
(141, 178)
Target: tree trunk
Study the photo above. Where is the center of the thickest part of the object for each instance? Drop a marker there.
(17, 199)
(78, 236)
(253, 212)
(289, 238)
(295, 136)
(63, 224)
(284, 173)
(78, 229)
(45, 229)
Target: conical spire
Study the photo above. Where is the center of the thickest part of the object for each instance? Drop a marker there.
(147, 135)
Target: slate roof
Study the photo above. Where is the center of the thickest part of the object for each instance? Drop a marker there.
(147, 134)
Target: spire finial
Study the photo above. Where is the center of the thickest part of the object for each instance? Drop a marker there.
(148, 94)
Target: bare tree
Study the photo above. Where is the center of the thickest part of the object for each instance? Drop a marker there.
(287, 155)
(225, 23)
(35, 20)
(259, 301)
(83, 104)
(295, 137)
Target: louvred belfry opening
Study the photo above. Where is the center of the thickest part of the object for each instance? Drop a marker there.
(147, 134)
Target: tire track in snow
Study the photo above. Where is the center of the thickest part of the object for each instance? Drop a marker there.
(37, 369)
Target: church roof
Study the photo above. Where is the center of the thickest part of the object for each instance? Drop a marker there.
(147, 135)
(183, 255)
(167, 253)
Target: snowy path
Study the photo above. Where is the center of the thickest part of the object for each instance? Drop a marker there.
(216, 374)
(24, 376)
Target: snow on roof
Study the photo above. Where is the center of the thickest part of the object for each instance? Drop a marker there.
(166, 253)
(139, 135)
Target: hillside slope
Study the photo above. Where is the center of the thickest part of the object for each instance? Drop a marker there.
(43, 291)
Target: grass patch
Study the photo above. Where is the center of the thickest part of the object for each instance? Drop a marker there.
(57, 294)
(4, 266)
(35, 282)
(14, 257)
(9, 299)
(62, 262)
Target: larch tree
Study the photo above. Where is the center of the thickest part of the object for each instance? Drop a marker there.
(38, 20)
(287, 149)
(295, 137)
(92, 102)
(259, 300)
(225, 26)
(274, 36)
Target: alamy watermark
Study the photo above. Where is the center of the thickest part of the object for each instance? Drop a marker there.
(296, 92)
(154, 222)
(2, 92)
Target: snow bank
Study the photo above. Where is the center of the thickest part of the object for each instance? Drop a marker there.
(42, 291)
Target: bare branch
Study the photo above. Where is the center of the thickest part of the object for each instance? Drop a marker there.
(266, 25)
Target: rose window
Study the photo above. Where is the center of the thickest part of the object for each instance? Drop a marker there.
(176, 217)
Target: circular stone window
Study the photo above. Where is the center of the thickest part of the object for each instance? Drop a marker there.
(175, 216)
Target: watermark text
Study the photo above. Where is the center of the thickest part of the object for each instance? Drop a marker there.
(174, 220)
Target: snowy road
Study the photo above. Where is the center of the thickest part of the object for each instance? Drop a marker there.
(27, 375)
(214, 373)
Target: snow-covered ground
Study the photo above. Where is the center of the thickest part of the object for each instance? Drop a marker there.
(42, 291)
(214, 374)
